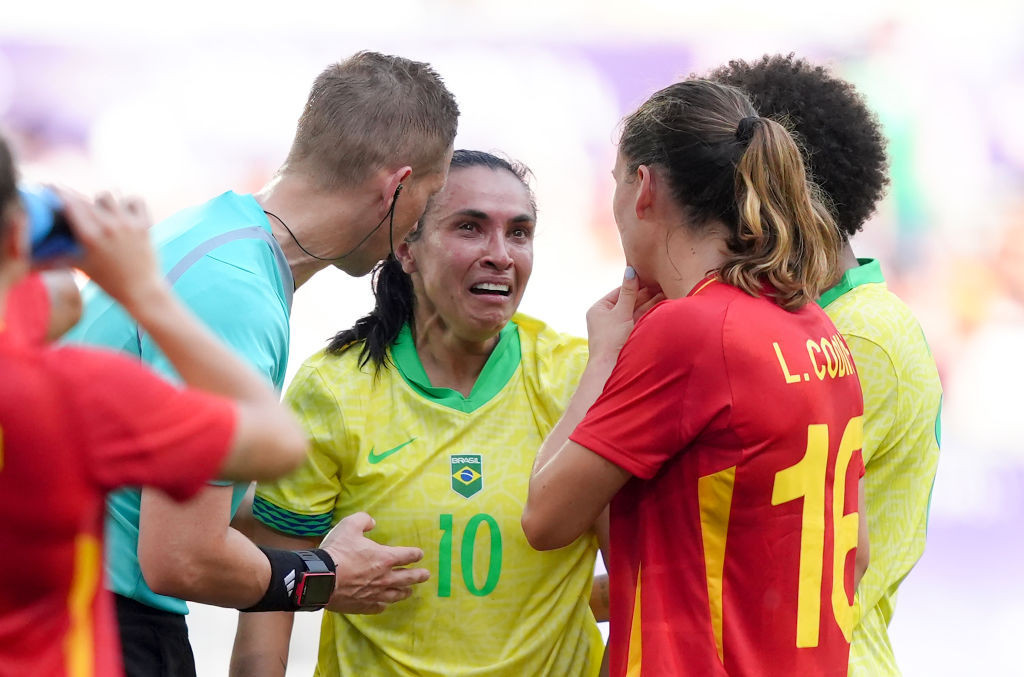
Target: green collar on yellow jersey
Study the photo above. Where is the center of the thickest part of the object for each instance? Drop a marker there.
(868, 272)
(497, 371)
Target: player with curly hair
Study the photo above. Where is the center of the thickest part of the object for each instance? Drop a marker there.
(845, 151)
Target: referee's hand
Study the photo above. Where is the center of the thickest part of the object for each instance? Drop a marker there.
(369, 576)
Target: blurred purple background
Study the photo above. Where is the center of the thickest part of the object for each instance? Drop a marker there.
(192, 100)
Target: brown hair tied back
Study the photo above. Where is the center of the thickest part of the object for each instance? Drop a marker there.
(726, 165)
(745, 129)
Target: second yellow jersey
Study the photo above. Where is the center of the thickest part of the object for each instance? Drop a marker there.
(448, 474)
(902, 401)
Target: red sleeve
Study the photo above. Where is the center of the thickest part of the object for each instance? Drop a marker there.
(28, 310)
(668, 384)
(139, 429)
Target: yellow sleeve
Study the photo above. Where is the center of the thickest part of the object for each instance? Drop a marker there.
(302, 503)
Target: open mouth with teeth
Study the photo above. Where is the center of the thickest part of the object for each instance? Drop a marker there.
(490, 289)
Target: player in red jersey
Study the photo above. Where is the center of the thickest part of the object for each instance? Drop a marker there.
(75, 423)
(43, 305)
(726, 432)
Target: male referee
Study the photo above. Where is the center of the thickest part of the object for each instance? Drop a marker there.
(372, 144)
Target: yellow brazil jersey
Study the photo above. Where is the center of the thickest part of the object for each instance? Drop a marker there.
(448, 474)
(902, 401)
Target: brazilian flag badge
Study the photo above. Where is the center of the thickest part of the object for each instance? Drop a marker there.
(467, 474)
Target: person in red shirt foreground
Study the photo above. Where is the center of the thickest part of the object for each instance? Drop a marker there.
(724, 427)
(43, 305)
(76, 423)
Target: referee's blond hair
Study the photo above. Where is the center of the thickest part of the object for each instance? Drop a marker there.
(368, 111)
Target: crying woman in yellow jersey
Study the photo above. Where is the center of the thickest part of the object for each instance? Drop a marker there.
(428, 414)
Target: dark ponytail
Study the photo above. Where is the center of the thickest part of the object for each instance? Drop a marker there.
(392, 291)
(392, 287)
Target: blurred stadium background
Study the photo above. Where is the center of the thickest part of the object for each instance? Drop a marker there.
(182, 101)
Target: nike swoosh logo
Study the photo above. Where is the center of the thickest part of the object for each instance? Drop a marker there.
(377, 458)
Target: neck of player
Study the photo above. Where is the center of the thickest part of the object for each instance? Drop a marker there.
(688, 258)
(450, 360)
(847, 259)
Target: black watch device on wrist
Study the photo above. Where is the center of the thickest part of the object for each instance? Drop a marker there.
(313, 587)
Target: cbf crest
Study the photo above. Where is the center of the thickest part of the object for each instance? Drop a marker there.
(467, 474)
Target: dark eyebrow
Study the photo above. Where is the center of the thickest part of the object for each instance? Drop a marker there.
(483, 216)
(473, 214)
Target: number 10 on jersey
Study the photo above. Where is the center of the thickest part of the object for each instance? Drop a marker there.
(467, 550)
(806, 479)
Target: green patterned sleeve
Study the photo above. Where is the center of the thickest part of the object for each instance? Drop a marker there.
(302, 503)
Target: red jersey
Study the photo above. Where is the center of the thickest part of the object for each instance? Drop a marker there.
(28, 309)
(732, 547)
(75, 424)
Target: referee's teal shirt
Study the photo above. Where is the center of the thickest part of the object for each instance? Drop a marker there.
(241, 289)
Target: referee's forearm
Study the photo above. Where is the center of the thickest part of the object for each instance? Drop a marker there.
(234, 574)
(186, 550)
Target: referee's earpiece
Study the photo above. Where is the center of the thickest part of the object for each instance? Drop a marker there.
(397, 191)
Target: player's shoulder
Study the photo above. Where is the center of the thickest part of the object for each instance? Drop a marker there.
(704, 309)
(546, 354)
(342, 375)
(326, 361)
(871, 312)
(537, 336)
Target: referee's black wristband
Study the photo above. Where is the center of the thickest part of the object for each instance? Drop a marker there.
(285, 568)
